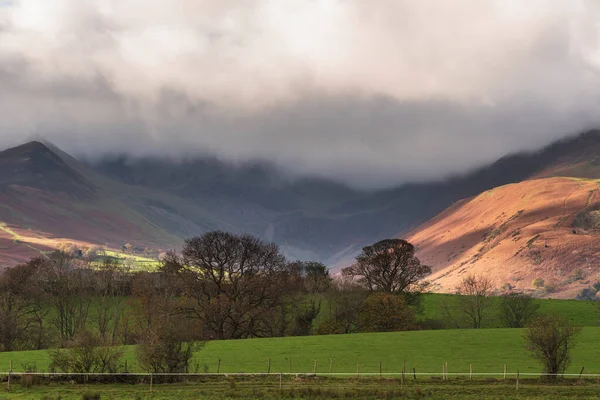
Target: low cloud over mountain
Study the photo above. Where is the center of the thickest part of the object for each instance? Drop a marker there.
(369, 93)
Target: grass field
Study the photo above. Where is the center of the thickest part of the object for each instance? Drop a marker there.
(141, 263)
(578, 312)
(486, 349)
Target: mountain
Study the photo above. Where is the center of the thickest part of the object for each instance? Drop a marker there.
(47, 196)
(542, 228)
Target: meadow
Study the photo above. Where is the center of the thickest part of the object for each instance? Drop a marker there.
(487, 350)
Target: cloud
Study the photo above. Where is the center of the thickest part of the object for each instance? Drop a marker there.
(371, 93)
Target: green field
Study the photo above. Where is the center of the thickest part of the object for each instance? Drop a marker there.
(486, 349)
(141, 263)
(578, 312)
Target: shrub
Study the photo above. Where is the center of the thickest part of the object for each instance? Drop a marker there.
(384, 312)
(537, 283)
(549, 339)
(86, 354)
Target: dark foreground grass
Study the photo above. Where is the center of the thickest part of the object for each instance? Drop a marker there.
(486, 349)
(321, 388)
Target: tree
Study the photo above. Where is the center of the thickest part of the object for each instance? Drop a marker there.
(517, 309)
(346, 299)
(20, 308)
(384, 312)
(234, 282)
(65, 281)
(549, 339)
(474, 298)
(389, 266)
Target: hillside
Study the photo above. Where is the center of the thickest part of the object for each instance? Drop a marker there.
(543, 228)
(48, 196)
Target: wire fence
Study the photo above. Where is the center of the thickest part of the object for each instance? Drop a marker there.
(281, 380)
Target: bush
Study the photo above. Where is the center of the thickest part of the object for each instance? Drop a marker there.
(330, 327)
(86, 354)
(587, 294)
(538, 283)
(549, 339)
(384, 312)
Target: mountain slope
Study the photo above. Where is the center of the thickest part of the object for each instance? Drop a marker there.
(544, 228)
(47, 196)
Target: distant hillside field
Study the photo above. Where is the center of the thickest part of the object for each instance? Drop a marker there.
(486, 349)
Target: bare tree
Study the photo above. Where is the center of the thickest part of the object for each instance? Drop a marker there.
(66, 283)
(110, 294)
(549, 339)
(474, 298)
(389, 266)
(517, 309)
(233, 280)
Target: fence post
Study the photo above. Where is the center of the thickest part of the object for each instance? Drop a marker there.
(380, 370)
(404, 366)
(443, 372)
(290, 364)
(330, 366)
(9, 374)
(402, 380)
(517, 379)
(280, 380)
(470, 371)
(580, 373)
(414, 373)
(218, 365)
(446, 369)
(504, 371)
(357, 373)
(151, 375)
(315, 367)
(269, 366)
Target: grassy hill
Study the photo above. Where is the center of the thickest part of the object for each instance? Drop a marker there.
(578, 312)
(486, 349)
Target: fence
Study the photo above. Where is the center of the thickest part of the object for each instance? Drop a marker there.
(280, 380)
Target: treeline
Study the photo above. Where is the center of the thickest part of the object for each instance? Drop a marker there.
(221, 286)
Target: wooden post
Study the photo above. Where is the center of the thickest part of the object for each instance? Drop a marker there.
(517, 380)
(504, 371)
(446, 365)
(151, 382)
(380, 370)
(290, 364)
(402, 380)
(404, 366)
(357, 373)
(443, 372)
(9, 374)
(470, 371)
(280, 380)
(414, 373)
(315, 367)
(219, 366)
(330, 366)
(269, 367)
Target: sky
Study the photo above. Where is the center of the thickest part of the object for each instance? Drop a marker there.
(372, 93)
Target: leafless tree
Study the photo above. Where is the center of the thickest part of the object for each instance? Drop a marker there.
(233, 280)
(389, 266)
(517, 309)
(474, 298)
(66, 283)
(549, 339)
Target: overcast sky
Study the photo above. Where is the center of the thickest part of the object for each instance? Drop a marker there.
(371, 92)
